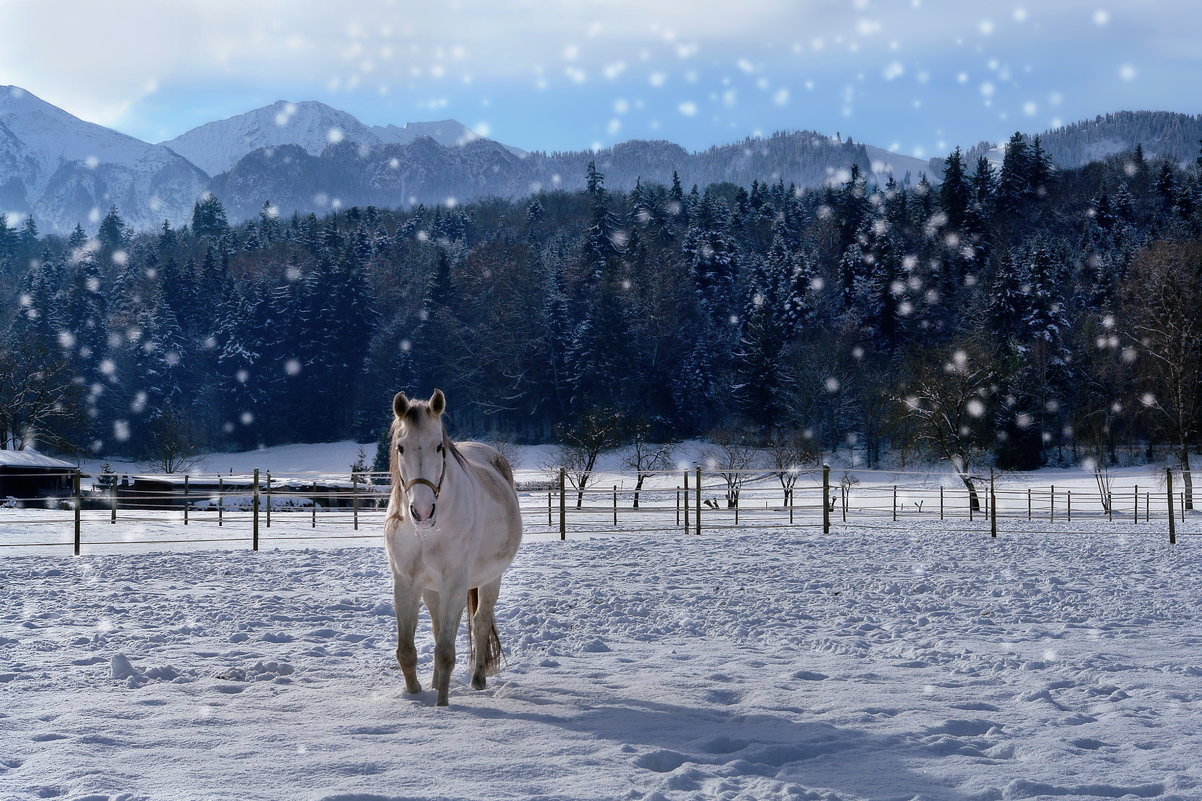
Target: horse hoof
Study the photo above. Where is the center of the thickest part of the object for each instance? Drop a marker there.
(413, 689)
(479, 682)
(442, 702)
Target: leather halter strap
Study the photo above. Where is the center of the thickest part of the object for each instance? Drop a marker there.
(408, 485)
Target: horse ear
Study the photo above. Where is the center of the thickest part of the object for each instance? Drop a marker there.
(400, 404)
(438, 403)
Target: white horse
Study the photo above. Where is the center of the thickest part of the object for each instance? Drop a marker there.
(453, 527)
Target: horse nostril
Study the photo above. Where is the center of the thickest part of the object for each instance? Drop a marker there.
(414, 513)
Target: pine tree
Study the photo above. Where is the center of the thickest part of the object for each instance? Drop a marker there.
(775, 309)
(1014, 181)
(955, 193)
(983, 178)
(208, 218)
(113, 233)
(603, 241)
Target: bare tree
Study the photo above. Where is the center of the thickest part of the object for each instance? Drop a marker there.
(1162, 316)
(172, 445)
(38, 399)
(505, 446)
(731, 456)
(583, 440)
(787, 453)
(944, 405)
(646, 458)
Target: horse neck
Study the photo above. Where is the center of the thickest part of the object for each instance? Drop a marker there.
(458, 478)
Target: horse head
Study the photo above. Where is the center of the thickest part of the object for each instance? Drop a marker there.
(419, 453)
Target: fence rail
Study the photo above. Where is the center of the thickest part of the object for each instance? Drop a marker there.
(241, 509)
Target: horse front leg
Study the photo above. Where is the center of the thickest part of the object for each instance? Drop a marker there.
(405, 601)
(446, 610)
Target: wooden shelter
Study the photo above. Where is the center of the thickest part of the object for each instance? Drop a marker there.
(28, 478)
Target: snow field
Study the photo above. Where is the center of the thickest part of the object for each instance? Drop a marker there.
(767, 665)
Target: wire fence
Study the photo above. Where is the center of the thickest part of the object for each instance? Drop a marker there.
(250, 510)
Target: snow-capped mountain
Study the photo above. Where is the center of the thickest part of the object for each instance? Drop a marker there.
(424, 171)
(216, 147)
(65, 171)
(448, 133)
(1162, 134)
(310, 157)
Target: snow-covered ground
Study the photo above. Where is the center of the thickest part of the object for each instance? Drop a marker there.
(933, 663)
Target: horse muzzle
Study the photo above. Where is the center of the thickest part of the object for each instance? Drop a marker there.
(420, 519)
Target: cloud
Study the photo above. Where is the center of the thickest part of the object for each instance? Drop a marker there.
(121, 64)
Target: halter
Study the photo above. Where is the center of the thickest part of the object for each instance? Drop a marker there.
(408, 485)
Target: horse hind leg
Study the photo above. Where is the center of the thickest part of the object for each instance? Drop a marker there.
(482, 631)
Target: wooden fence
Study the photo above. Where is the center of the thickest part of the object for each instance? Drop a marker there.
(241, 509)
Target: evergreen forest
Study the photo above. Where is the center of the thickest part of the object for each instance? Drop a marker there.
(1013, 315)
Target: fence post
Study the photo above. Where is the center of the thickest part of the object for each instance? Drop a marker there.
(563, 512)
(894, 503)
(220, 501)
(185, 499)
(790, 506)
(1028, 503)
(992, 506)
(678, 504)
(113, 500)
(697, 528)
(314, 510)
(846, 493)
(1052, 503)
(1110, 507)
(970, 492)
(269, 499)
(75, 490)
(355, 499)
(686, 501)
(826, 493)
(1168, 471)
(549, 518)
(1069, 495)
(254, 508)
(615, 505)
(1136, 517)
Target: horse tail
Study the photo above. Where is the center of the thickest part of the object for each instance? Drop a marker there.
(494, 655)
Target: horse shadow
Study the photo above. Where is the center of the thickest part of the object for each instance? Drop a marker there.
(668, 738)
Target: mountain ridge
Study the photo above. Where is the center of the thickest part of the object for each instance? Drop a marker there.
(310, 157)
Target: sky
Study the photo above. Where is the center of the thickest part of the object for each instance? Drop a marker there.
(915, 76)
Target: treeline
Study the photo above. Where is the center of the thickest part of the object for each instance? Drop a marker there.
(1024, 313)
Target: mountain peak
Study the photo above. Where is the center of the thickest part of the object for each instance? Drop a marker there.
(64, 170)
(217, 146)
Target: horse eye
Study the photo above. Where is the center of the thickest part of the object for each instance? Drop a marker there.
(400, 448)
(439, 449)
